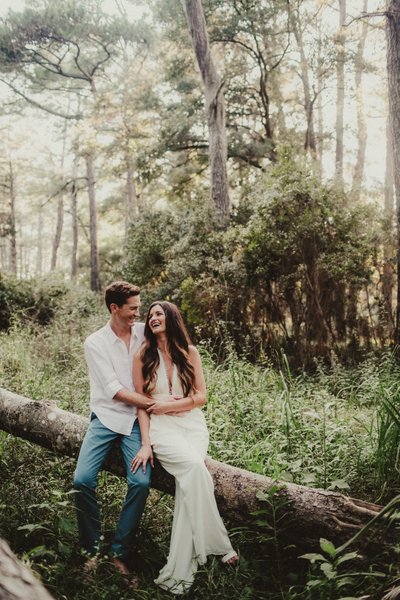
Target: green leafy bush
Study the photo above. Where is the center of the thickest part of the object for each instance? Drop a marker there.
(290, 270)
(38, 301)
(16, 300)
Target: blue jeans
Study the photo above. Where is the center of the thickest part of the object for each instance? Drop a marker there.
(95, 447)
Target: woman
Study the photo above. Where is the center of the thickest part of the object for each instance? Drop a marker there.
(169, 369)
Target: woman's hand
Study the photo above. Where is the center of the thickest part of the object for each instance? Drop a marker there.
(145, 454)
(160, 407)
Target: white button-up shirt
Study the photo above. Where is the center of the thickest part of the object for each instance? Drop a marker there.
(110, 370)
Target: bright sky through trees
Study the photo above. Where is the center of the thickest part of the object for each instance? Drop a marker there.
(36, 138)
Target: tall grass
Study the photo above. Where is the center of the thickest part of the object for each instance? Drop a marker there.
(336, 429)
(319, 430)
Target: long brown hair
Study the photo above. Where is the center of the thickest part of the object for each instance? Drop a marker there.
(178, 345)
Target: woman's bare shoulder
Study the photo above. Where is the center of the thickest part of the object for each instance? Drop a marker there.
(193, 352)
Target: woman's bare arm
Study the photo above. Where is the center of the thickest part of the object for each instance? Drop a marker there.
(145, 453)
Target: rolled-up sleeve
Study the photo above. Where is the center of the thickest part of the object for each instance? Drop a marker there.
(101, 368)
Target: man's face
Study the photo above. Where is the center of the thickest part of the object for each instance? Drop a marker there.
(128, 312)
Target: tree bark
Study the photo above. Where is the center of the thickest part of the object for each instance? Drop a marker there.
(340, 60)
(388, 255)
(131, 208)
(320, 87)
(39, 255)
(74, 219)
(361, 120)
(17, 582)
(13, 222)
(310, 141)
(60, 203)
(94, 254)
(393, 71)
(215, 108)
(309, 513)
(57, 235)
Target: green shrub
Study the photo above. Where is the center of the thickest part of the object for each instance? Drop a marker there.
(38, 301)
(16, 300)
(287, 272)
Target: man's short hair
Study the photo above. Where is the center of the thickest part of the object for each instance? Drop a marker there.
(118, 293)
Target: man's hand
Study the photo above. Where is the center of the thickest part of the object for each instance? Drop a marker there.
(145, 454)
(146, 403)
(160, 407)
(133, 398)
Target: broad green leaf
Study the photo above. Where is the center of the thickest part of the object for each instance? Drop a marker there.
(346, 557)
(313, 583)
(328, 570)
(327, 546)
(313, 556)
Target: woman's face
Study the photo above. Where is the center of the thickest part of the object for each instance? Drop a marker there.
(157, 320)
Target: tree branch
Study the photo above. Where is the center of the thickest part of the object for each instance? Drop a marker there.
(39, 105)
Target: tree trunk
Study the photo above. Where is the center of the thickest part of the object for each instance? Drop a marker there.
(309, 513)
(388, 255)
(57, 236)
(39, 255)
(309, 142)
(74, 220)
(131, 208)
(17, 582)
(13, 226)
(393, 71)
(340, 60)
(320, 87)
(3, 255)
(361, 121)
(94, 255)
(60, 203)
(215, 107)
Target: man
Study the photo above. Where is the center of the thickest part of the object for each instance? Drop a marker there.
(113, 402)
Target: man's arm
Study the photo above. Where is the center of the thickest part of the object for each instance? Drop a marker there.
(99, 363)
(138, 400)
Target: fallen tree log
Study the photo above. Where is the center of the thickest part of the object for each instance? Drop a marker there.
(17, 582)
(309, 513)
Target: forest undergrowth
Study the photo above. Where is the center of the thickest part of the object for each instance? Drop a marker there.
(337, 429)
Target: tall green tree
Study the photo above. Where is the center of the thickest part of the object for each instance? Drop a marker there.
(64, 47)
(215, 108)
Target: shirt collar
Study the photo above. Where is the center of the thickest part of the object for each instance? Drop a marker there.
(114, 338)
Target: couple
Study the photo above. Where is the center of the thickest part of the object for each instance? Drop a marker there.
(155, 409)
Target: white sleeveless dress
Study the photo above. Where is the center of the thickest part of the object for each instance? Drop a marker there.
(180, 444)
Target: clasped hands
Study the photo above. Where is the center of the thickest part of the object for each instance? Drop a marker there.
(160, 407)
